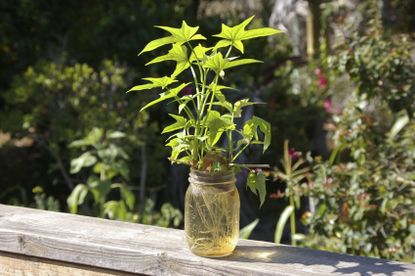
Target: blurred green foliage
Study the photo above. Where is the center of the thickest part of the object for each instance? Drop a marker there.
(65, 68)
(364, 195)
(104, 191)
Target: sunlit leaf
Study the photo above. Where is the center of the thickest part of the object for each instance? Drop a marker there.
(265, 128)
(183, 34)
(239, 105)
(126, 194)
(93, 137)
(261, 187)
(77, 197)
(199, 52)
(282, 221)
(85, 160)
(251, 182)
(161, 82)
(246, 232)
(260, 32)
(166, 95)
(216, 126)
(240, 62)
(216, 62)
(177, 53)
(235, 35)
(399, 124)
(222, 43)
(180, 123)
(115, 135)
(157, 43)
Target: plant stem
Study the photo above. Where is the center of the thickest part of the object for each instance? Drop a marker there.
(230, 144)
(236, 156)
(196, 86)
(229, 51)
(292, 221)
(186, 109)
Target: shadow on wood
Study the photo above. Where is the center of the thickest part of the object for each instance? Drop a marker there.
(303, 257)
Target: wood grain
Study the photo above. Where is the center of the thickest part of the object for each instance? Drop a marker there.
(144, 249)
(20, 265)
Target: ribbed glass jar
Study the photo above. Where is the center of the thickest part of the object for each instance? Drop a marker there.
(211, 221)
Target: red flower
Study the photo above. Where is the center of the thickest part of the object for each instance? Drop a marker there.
(327, 105)
(276, 195)
(322, 81)
(294, 154)
(187, 91)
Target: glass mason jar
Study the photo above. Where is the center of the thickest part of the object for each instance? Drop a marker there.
(211, 221)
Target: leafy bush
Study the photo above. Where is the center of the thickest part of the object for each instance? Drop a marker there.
(105, 191)
(364, 196)
(54, 103)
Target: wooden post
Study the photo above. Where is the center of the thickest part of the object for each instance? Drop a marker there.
(313, 29)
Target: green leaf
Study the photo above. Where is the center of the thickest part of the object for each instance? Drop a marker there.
(261, 187)
(183, 34)
(239, 62)
(92, 138)
(178, 54)
(235, 35)
(237, 107)
(77, 197)
(198, 53)
(111, 209)
(216, 89)
(260, 32)
(110, 153)
(162, 82)
(216, 126)
(178, 145)
(248, 131)
(186, 160)
(157, 43)
(198, 37)
(225, 104)
(239, 45)
(142, 87)
(184, 100)
(222, 43)
(121, 167)
(166, 95)
(265, 128)
(180, 123)
(215, 62)
(246, 232)
(116, 135)
(256, 182)
(85, 160)
(251, 182)
(100, 189)
(126, 194)
(400, 123)
(282, 221)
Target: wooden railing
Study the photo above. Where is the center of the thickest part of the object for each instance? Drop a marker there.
(35, 242)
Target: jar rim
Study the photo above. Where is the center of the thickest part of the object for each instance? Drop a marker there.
(211, 178)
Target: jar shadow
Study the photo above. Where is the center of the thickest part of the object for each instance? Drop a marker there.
(300, 259)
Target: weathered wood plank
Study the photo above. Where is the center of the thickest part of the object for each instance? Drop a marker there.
(20, 265)
(153, 250)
